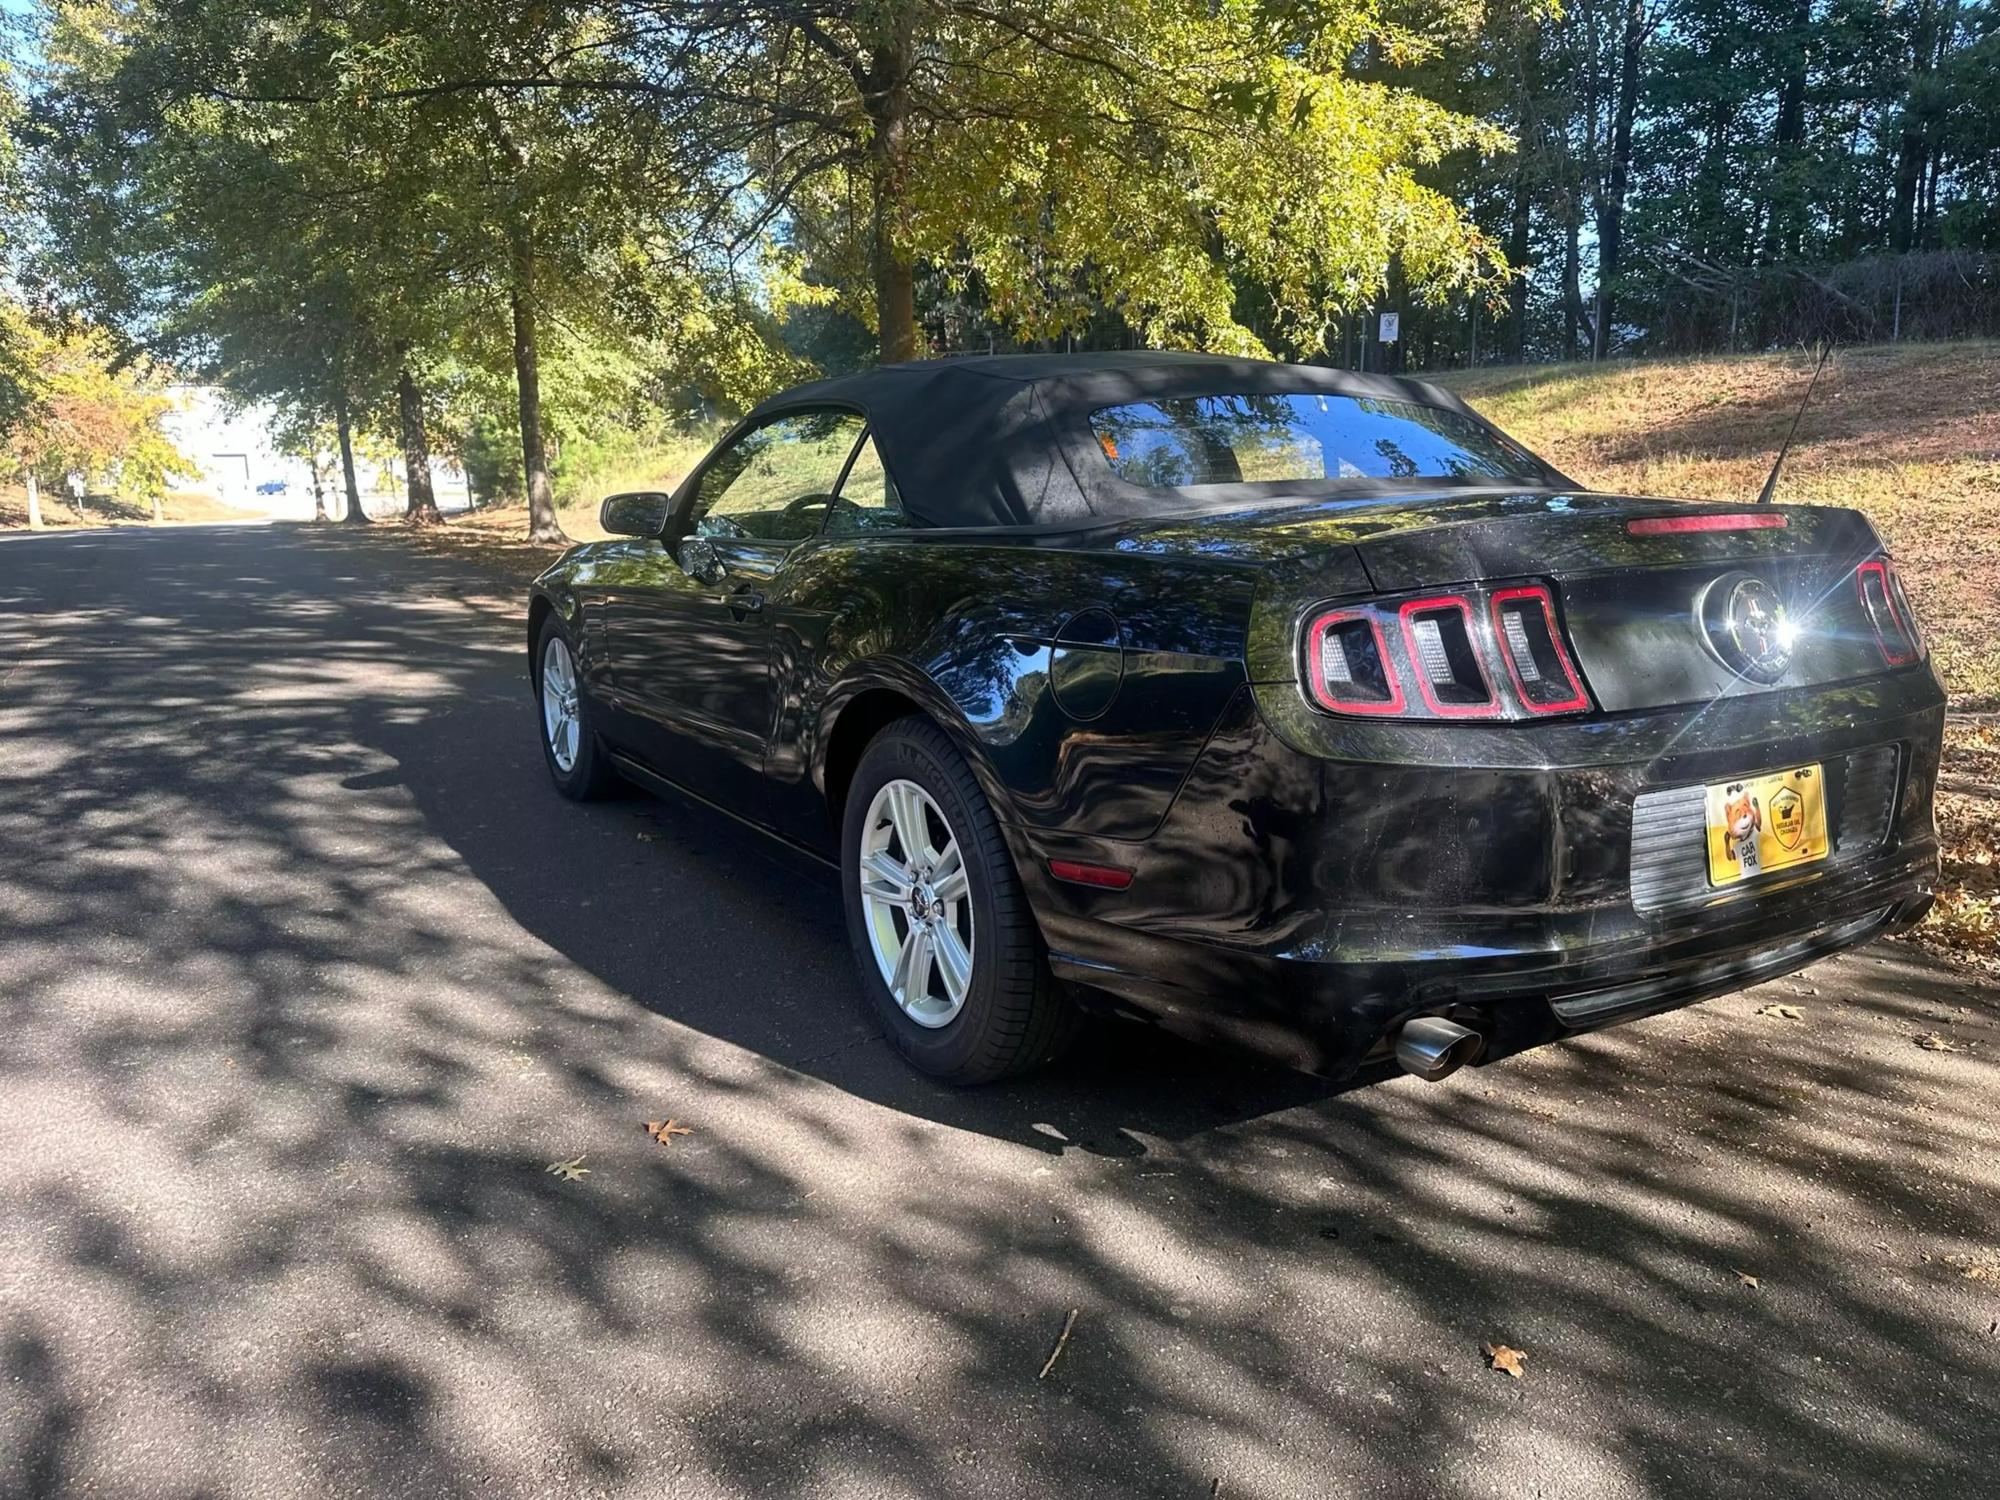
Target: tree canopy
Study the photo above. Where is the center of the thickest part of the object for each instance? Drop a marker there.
(492, 229)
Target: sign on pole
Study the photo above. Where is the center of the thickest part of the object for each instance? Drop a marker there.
(1392, 324)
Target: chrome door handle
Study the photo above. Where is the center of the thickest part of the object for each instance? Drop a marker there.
(744, 602)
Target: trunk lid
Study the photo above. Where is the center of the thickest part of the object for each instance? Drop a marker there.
(1630, 596)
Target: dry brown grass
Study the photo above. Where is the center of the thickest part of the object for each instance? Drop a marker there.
(497, 536)
(105, 510)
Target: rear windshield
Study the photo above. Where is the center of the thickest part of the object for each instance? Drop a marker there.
(1247, 439)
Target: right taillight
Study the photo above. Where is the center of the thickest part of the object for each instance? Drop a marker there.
(1441, 655)
(1888, 611)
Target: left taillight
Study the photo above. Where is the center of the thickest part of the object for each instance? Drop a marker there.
(1440, 656)
(1347, 664)
(1888, 611)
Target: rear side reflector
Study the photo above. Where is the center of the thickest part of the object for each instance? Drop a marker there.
(1524, 623)
(1109, 877)
(1756, 520)
(1888, 610)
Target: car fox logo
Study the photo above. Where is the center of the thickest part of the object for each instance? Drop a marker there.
(1741, 820)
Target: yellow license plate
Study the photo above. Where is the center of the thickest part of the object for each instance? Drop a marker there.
(1760, 823)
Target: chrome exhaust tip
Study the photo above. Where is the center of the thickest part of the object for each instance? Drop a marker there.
(1432, 1047)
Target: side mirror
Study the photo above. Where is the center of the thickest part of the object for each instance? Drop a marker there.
(634, 515)
(700, 561)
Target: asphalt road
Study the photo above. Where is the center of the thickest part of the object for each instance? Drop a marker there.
(306, 977)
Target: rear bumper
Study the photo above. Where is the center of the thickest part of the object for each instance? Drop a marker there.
(1304, 906)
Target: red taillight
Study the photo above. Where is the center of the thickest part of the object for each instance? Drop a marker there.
(1888, 611)
(1445, 658)
(1361, 658)
(1348, 666)
(1531, 644)
(1756, 520)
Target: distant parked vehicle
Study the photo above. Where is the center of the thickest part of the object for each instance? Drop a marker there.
(272, 487)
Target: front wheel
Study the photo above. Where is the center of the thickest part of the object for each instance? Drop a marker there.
(949, 952)
(577, 763)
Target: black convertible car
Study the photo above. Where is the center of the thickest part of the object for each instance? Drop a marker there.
(1281, 705)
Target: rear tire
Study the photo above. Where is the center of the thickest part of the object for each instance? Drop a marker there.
(954, 967)
(577, 762)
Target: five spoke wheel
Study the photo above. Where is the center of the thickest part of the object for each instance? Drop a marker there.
(916, 903)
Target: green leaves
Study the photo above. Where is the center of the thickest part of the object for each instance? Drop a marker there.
(301, 200)
(1160, 158)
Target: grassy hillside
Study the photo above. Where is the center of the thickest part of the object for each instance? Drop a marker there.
(109, 510)
(1910, 435)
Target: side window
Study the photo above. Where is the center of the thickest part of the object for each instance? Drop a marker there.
(868, 498)
(776, 482)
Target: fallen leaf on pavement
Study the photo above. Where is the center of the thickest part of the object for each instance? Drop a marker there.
(659, 1130)
(1930, 1041)
(1500, 1357)
(568, 1171)
(1746, 1279)
(1782, 1012)
(649, 838)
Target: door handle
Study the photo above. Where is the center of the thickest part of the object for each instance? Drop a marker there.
(744, 602)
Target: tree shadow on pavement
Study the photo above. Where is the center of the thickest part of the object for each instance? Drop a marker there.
(307, 979)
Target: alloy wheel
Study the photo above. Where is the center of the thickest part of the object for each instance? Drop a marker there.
(916, 903)
(561, 719)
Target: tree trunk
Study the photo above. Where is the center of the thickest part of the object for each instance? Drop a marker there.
(1518, 250)
(355, 516)
(423, 510)
(34, 503)
(887, 101)
(319, 493)
(1611, 209)
(1782, 229)
(1913, 150)
(1573, 318)
(542, 523)
(159, 514)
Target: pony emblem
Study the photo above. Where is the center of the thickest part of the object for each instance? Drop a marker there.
(1747, 626)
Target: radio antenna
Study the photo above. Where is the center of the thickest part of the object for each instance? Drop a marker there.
(1771, 484)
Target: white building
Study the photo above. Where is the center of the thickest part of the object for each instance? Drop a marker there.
(239, 466)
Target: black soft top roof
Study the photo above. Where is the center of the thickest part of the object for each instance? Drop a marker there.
(1004, 440)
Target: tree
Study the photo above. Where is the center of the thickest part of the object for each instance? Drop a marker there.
(86, 413)
(1159, 157)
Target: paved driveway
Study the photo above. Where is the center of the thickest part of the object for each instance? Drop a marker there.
(306, 977)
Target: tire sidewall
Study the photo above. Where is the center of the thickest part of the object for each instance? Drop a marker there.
(951, 1048)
